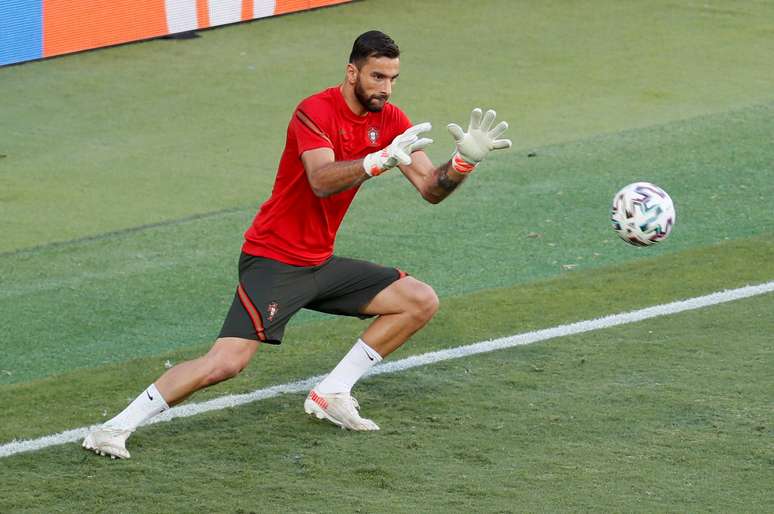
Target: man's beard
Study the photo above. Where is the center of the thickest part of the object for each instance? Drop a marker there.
(370, 103)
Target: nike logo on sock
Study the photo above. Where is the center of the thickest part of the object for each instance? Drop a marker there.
(149, 395)
(368, 354)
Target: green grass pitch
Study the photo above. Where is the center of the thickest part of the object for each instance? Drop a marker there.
(128, 175)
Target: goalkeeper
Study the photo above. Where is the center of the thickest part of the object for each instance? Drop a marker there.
(336, 140)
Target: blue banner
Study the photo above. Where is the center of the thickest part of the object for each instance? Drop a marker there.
(21, 30)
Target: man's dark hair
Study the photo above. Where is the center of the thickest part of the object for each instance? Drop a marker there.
(373, 44)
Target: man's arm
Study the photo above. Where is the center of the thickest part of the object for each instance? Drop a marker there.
(435, 184)
(328, 176)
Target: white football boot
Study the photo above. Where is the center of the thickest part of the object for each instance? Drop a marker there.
(339, 408)
(105, 440)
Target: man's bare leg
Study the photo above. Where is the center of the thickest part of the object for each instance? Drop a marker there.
(227, 357)
(403, 308)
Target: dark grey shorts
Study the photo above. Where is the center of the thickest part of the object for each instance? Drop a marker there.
(271, 292)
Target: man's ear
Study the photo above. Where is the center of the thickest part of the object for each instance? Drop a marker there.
(352, 72)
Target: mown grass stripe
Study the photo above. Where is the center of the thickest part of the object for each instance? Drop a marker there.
(250, 209)
(193, 409)
(31, 250)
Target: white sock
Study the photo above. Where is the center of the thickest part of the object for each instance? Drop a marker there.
(359, 359)
(145, 406)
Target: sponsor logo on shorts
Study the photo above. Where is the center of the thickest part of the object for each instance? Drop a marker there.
(271, 310)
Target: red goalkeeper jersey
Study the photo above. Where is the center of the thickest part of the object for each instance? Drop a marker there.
(294, 226)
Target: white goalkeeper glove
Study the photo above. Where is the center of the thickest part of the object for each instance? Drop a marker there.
(398, 152)
(480, 139)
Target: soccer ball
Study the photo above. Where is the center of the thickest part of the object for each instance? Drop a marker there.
(642, 214)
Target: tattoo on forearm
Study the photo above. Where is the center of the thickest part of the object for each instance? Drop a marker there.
(444, 182)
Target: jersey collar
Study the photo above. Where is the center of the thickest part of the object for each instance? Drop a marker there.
(344, 108)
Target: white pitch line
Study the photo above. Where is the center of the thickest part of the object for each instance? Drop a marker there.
(234, 400)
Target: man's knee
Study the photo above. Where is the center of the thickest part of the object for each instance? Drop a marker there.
(424, 301)
(220, 371)
(228, 358)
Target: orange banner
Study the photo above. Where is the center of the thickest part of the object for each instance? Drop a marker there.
(247, 10)
(73, 25)
(288, 6)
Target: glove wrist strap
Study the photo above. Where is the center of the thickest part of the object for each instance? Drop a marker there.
(372, 164)
(460, 165)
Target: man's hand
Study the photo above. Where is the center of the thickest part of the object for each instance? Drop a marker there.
(398, 152)
(480, 139)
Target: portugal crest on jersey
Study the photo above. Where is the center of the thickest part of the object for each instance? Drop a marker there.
(373, 135)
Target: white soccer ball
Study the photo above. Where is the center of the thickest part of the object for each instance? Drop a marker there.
(642, 214)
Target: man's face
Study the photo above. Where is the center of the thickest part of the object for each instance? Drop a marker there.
(374, 80)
